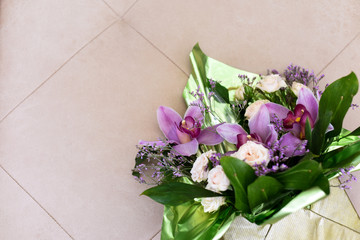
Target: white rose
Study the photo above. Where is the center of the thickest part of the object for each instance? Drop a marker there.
(253, 153)
(212, 204)
(239, 93)
(296, 87)
(271, 83)
(199, 171)
(217, 180)
(253, 108)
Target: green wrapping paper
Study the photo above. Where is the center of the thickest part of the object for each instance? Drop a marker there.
(188, 220)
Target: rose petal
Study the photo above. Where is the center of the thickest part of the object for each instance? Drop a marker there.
(291, 145)
(187, 149)
(259, 123)
(209, 136)
(307, 98)
(229, 131)
(168, 119)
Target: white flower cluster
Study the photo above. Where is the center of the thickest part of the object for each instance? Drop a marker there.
(216, 178)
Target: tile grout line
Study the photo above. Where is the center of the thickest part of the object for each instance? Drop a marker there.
(58, 69)
(36, 202)
(110, 8)
(128, 10)
(341, 51)
(155, 234)
(334, 221)
(158, 49)
(268, 231)
(115, 12)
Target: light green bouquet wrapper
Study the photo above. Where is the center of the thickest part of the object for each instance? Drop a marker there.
(189, 221)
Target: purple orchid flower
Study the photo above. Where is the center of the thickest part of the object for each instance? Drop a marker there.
(261, 130)
(306, 108)
(186, 133)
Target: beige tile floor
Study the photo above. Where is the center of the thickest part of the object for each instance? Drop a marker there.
(80, 82)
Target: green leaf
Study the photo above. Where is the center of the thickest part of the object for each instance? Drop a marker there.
(323, 183)
(334, 104)
(175, 193)
(240, 175)
(342, 157)
(262, 190)
(300, 177)
(222, 93)
(356, 132)
(308, 135)
(302, 200)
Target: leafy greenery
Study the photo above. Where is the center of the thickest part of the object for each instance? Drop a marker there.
(333, 106)
(240, 175)
(344, 156)
(175, 193)
(300, 177)
(262, 190)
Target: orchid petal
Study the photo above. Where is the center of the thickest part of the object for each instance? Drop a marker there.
(152, 143)
(307, 98)
(272, 134)
(292, 146)
(183, 136)
(259, 123)
(229, 131)
(241, 139)
(194, 112)
(187, 149)
(279, 110)
(296, 130)
(168, 120)
(209, 136)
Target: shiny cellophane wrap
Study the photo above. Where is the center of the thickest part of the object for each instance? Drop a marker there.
(189, 221)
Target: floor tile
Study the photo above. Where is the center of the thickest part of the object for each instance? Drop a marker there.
(120, 7)
(21, 217)
(72, 143)
(252, 36)
(38, 36)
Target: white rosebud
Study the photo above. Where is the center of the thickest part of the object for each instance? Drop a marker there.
(253, 108)
(271, 83)
(296, 87)
(239, 93)
(199, 171)
(253, 153)
(217, 180)
(212, 204)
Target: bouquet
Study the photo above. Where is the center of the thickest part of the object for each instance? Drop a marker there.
(257, 146)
